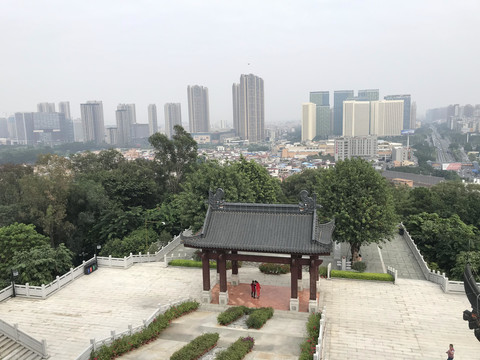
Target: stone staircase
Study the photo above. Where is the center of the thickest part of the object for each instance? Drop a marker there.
(11, 350)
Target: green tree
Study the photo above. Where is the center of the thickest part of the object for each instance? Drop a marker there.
(306, 180)
(137, 241)
(360, 200)
(440, 240)
(175, 157)
(39, 265)
(473, 258)
(11, 191)
(16, 238)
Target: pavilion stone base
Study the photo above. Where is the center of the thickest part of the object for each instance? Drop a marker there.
(223, 298)
(300, 285)
(235, 280)
(294, 304)
(312, 306)
(206, 296)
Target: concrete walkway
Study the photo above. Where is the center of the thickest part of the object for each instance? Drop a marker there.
(413, 319)
(395, 253)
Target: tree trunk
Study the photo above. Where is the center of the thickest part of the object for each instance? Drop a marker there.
(355, 249)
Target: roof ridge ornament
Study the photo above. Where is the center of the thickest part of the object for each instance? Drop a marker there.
(307, 203)
(215, 200)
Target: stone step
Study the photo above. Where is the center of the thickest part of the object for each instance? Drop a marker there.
(11, 350)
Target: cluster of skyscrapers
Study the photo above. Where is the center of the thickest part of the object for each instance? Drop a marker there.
(49, 126)
(360, 115)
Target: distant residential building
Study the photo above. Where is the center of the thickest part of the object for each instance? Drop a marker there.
(173, 116)
(359, 146)
(111, 135)
(46, 107)
(413, 115)
(386, 117)
(64, 108)
(24, 127)
(78, 130)
(356, 118)
(339, 96)
(92, 122)
(308, 121)
(124, 126)
(249, 108)
(198, 109)
(11, 127)
(4, 128)
(42, 128)
(369, 94)
(152, 119)
(321, 99)
(406, 108)
(140, 131)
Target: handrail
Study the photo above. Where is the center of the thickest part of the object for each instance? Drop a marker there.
(39, 347)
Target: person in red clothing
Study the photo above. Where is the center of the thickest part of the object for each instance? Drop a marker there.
(253, 288)
(257, 288)
(450, 352)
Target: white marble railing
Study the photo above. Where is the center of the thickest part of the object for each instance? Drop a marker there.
(432, 275)
(39, 347)
(393, 272)
(320, 348)
(94, 344)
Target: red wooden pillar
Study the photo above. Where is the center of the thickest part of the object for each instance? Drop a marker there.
(222, 268)
(206, 270)
(234, 264)
(294, 277)
(313, 268)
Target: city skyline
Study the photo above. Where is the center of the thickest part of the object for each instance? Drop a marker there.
(161, 48)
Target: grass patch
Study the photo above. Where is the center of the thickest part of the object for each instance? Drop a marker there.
(197, 347)
(361, 276)
(129, 342)
(237, 350)
(307, 348)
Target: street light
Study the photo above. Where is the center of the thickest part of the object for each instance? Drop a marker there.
(97, 249)
(14, 276)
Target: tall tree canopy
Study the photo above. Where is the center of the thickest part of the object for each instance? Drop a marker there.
(360, 199)
(175, 156)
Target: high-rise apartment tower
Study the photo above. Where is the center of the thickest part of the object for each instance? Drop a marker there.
(173, 116)
(198, 109)
(339, 97)
(92, 122)
(152, 119)
(249, 108)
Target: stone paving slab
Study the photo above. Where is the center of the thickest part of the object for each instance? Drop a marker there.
(414, 319)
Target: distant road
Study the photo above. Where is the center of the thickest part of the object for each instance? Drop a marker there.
(441, 146)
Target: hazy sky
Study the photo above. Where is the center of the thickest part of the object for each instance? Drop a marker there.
(146, 52)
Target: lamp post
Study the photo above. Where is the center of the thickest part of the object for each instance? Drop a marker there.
(97, 248)
(14, 276)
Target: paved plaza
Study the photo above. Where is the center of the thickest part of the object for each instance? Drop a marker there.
(413, 319)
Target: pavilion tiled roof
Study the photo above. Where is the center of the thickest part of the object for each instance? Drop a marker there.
(272, 228)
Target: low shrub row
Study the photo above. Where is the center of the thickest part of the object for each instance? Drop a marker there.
(361, 276)
(307, 348)
(129, 342)
(237, 350)
(259, 317)
(198, 264)
(275, 269)
(232, 314)
(359, 266)
(322, 271)
(196, 348)
(190, 263)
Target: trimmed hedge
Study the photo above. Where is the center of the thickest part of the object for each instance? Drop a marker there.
(198, 264)
(359, 266)
(322, 271)
(238, 350)
(259, 317)
(307, 348)
(196, 348)
(232, 314)
(129, 342)
(190, 263)
(361, 276)
(275, 269)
